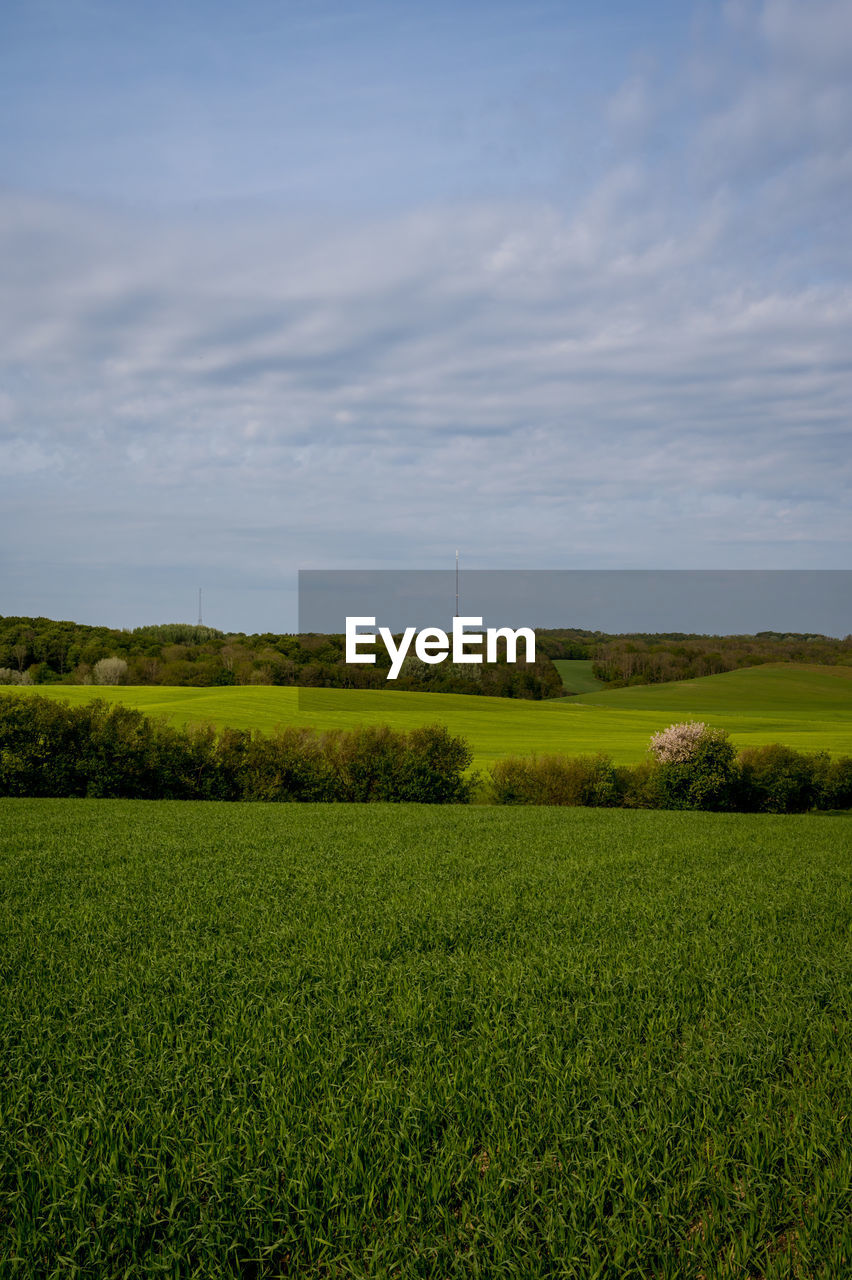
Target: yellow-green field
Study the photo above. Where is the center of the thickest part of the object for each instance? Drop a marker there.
(806, 707)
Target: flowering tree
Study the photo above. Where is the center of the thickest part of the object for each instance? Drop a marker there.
(697, 767)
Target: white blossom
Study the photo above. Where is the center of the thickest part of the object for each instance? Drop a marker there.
(679, 742)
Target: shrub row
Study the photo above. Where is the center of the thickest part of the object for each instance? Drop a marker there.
(49, 748)
(770, 779)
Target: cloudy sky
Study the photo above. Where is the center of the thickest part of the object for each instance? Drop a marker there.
(315, 284)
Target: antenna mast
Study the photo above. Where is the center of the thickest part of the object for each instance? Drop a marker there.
(457, 584)
(200, 622)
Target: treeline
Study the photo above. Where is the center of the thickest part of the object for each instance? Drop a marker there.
(41, 651)
(647, 659)
(568, 642)
(653, 659)
(51, 749)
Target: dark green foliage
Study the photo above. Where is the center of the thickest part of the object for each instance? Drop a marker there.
(582, 780)
(293, 764)
(48, 652)
(42, 673)
(708, 780)
(777, 779)
(48, 748)
(655, 659)
(835, 782)
(770, 779)
(434, 766)
(253, 1042)
(637, 785)
(570, 644)
(373, 763)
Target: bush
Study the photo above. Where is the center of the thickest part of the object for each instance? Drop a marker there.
(558, 780)
(40, 673)
(638, 785)
(835, 784)
(294, 764)
(777, 779)
(433, 765)
(39, 748)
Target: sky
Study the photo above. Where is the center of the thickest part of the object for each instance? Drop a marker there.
(351, 285)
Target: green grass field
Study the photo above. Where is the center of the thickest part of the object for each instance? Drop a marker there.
(576, 675)
(809, 708)
(326, 1041)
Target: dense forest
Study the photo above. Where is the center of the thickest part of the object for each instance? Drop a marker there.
(42, 651)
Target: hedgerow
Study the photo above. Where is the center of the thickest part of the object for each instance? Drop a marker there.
(96, 750)
(52, 749)
(691, 766)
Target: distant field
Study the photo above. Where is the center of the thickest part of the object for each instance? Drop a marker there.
(809, 708)
(576, 675)
(278, 1040)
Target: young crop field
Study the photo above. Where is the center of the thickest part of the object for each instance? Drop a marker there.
(328, 1041)
(809, 708)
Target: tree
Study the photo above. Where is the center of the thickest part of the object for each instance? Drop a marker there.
(696, 767)
(110, 671)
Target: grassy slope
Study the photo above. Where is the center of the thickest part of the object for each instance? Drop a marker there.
(806, 707)
(576, 675)
(262, 1040)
